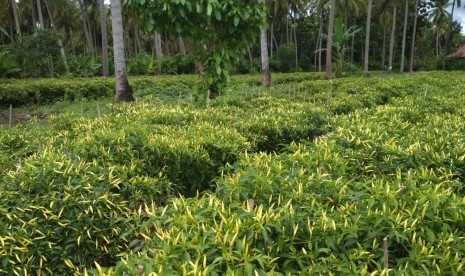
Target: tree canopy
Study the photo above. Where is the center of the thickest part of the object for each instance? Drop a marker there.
(221, 30)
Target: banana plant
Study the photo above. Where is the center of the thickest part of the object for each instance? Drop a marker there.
(340, 37)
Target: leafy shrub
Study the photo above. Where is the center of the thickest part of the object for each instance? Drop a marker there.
(142, 64)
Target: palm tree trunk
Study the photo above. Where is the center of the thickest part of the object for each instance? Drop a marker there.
(60, 42)
(296, 49)
(437, 41)
(404, 37)
(391, 43)
(158, 51)
(14, 6)
(39, 11)
(329, 41)
(123, 90)
(137, 43)
(383, 53)
(271, 39)
(412, 50)
(315, 54)
(320, 34)
(85, 23)
(182, 46)
(367, 38)
(103, 28)
(266, 76)
(446, 45)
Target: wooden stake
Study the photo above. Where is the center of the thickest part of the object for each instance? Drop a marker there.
(386, 256)
(82, 106)
(98, 110)
(11, 116)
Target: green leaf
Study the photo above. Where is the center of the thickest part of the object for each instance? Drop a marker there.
(236, 20)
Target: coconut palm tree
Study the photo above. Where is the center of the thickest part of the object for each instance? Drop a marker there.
(60, 42)
(391, 41)
(329, 41)
(414, 34)
(446, 47)
(404, 35)
(103, 28)
(384, 21)
(123, 90)
(14, 6)
(439, 15)
(367, 37)
(266, 76)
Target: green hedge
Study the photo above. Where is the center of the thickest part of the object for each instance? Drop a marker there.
(43, 91)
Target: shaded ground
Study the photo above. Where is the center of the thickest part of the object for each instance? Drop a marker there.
(20, 115)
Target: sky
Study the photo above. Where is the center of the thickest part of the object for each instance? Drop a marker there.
(459, 15)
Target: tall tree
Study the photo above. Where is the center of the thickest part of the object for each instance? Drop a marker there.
(393, 35)
(448, 36)
(385, 19)
(86, 26)
(39, 11)
(329, 41)
(103, 28)
(404, 37)
(266, 76)
(14, 6)
(158, 51)
(438, 15)
(60, 42)
(123, 90)
(367, 37)
(414, 34)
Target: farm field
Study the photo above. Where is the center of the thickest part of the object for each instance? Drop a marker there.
(354, 176)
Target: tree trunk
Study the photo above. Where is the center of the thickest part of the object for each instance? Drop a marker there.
(60, 42)
(85, 23)
(329, 42)
(271, 39)
(41, 18)
(266, 76)
(287, 30)
(383, 53)
(412, 51)
(296, 48)
(404, 37)
(182, 47)
(352, 50)
(14, 6)
(367, 37)
(137, 43)
(123, 90)
(391, 43)
(103, 29)
(158, 51)
(315, 54)
(446, 45)
(320, 43)
(437, 42)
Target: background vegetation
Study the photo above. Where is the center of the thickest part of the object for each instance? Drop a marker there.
(296, 38)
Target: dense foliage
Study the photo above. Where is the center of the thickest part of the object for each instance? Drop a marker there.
(307, 178)
(295, 37)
